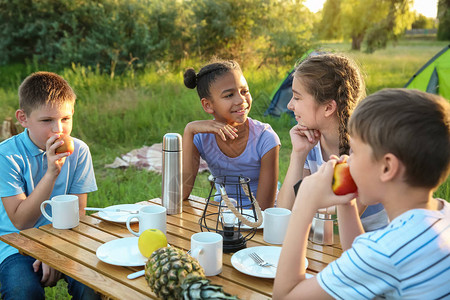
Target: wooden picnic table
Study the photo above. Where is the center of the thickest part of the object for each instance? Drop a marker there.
(73, 252)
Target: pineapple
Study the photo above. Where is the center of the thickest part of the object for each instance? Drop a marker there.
(173, 274)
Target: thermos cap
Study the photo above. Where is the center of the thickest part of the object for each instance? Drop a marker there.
(172, 142)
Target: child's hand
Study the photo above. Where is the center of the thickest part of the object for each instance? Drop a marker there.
(54, 161)
(303, 139)
(49, 275)
(315, 191)
(223, 130)
(338, 159)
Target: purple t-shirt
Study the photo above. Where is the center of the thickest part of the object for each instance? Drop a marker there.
(261, 139)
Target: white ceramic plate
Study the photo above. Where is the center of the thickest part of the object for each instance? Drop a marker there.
(245, 264)
(121, 252)
(249, 216)
(119, 217)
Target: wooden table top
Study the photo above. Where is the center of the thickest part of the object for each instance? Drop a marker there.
(72, 252)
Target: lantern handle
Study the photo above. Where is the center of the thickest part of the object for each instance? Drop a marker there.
(237, 213)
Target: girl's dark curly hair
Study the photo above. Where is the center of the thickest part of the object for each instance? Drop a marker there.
(207, 75)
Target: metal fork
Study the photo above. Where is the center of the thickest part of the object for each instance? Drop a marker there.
(259, 261)
(112, 210)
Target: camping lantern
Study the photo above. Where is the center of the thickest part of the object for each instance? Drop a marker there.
(232, 211)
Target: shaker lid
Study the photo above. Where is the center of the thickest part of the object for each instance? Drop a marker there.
(172, 142)
(324, 216)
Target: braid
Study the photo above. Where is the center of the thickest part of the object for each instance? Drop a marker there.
(348, 94)
(343, 116)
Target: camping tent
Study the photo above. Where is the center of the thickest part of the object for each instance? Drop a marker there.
(281, 97)
(434, 76)
(283, 93)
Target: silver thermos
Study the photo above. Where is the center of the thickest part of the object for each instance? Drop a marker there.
(172, 181)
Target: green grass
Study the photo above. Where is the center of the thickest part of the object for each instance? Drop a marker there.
(115, 116)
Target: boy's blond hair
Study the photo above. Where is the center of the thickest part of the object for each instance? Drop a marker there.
(44, 88)
(412, 125)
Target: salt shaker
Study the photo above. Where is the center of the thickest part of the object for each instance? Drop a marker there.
(172, 181)
(322, 229)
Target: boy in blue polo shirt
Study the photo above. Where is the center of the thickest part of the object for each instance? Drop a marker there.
(400, 142)
(32, 172)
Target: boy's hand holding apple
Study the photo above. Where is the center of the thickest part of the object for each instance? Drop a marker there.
(343, 183)
(316, 190)
(56, 159)
(67, 146)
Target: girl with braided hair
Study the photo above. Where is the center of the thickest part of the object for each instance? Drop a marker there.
(231, 142)
(326, 89)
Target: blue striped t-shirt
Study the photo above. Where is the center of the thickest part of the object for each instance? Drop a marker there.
(409, 259)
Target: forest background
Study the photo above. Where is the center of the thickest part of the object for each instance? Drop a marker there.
(125, 60)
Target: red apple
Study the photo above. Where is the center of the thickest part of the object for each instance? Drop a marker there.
(67, 146)
(342, 180)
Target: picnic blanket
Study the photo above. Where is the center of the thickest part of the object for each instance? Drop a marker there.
(9, 128)
(147, 158)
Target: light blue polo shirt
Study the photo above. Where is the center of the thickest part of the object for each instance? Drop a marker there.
(22, 166)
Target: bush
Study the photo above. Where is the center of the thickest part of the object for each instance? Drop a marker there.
(108, 35)
(114, 36)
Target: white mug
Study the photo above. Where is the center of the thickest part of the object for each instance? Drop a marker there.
(65, 211)
(276, 220)
(207, 247)
(149, 217)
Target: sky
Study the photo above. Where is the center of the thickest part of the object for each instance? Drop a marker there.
(428, 8)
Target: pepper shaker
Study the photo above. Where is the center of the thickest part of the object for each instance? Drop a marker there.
(172, 181)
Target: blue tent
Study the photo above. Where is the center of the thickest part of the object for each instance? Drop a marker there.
(281, 97)
(283, 93)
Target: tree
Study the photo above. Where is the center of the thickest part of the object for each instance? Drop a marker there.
(444, 20)
(288, 30)
(331, 19)
(423, 22)
(242, 29)
(222, 26)
(373, 21)
(358, 16)
(397, 20)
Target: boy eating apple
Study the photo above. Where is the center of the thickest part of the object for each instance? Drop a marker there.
(400, 141)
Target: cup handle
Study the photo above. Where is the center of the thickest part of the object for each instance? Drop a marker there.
(195, 253)
(44, 213)
(128, 224)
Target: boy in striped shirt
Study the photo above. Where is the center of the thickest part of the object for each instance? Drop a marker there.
(400, 142)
